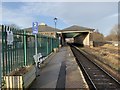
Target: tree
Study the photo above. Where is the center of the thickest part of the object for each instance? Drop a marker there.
(97, 36)
(14, 26)
(114, 34)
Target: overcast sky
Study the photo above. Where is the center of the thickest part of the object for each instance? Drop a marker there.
(99, 15)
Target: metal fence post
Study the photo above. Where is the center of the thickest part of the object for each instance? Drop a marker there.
(51, 45)
(2, 57)
(40, 40)
(0, 71)
(47, 46)
(25, 55)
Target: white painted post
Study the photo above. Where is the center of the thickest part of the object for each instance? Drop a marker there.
(36, 53)
(35, 31)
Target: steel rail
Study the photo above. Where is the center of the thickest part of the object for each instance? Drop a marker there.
(101, 69)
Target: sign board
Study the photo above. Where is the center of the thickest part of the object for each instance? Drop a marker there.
(9, 37)
(35, 27)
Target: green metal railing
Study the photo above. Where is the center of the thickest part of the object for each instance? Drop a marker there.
(46, 44)
(12, 55)
(0, 72)
(20, 53)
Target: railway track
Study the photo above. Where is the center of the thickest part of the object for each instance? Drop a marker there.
(96, 77)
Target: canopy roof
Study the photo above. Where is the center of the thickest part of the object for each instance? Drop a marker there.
(76, 28)
(74, 31)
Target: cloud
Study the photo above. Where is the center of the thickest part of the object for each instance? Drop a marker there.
(0, 13)
(61, 1)
(63, 8)
(29, 11)
(83, 14)
(106, 23)
(16, 17)
(116, 15)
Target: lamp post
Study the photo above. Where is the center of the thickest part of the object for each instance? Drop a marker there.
(55, 20)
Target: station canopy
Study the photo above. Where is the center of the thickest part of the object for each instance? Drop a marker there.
(74, 31)
(71, 35)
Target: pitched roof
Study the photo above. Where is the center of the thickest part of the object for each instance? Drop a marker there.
(43, 28)
(77, 28)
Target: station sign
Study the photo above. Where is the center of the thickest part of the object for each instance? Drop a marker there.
(35, 27)
(9, 37)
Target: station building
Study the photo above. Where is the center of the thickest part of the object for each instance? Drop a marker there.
(44, 29)
(73, 34)
(76, 34)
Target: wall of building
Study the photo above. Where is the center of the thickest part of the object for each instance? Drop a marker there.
(86, 41)
(50, 34)
(83, 39)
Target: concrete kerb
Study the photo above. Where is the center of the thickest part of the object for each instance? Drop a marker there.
(72, 69)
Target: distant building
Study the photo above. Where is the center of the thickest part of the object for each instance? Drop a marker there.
(44, 29)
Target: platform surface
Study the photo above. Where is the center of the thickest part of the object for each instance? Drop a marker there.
(51, 73)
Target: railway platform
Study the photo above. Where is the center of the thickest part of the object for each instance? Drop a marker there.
(61, 71)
